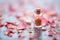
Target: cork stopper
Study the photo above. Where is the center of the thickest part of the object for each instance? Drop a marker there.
(38, 11)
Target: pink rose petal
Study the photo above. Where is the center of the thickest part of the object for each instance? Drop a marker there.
(9, 32)
(21, 27)
(50, 33)
(51, 21)
(44, 22)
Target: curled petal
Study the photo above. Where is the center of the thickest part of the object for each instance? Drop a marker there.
(50, 33)
(51, 21)
(44, 28)
(9, 32)
(54, 25)
(21, 36)
(21, 26)
(10, 25)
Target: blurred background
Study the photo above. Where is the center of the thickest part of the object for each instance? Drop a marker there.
(10, 8)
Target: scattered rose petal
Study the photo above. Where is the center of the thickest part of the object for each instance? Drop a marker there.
(44, 28)
(50, 33)
(44, 22)
(51, 21)
(54, 38)
(10, 25)
(9, 32)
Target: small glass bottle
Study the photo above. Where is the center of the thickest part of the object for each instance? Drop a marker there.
(37, 22)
